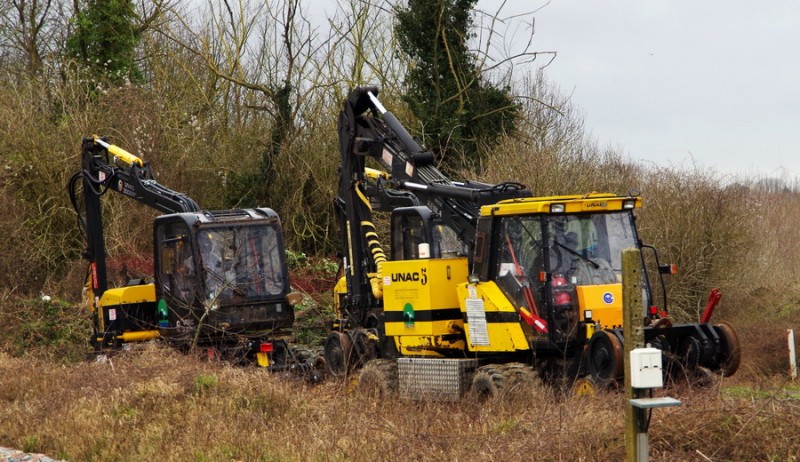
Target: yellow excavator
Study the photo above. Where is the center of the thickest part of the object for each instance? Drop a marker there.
(220, 278)
(484, 283)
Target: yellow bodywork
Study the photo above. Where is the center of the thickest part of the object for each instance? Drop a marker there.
(130, 294)
(592, 202)
(421, 305)
(605, 302)
(487, 305)
(431, 310)
(426, 303)
(339, 290)
(138, 336)
(120, 154)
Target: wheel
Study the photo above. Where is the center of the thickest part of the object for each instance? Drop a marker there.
(731, 352)
(691, 352)
(337, 353)
(519, 377)
(319, 367)
(500, 380)
(378, 378)
(605, 357)
(585, 386)
(487, 383)
(363, 347)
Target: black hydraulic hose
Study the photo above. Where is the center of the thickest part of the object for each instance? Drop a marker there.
(508, 186)
(71, 189)
(91, 182)
(72, 185)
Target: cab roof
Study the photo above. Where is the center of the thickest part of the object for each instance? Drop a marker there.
(586, 203)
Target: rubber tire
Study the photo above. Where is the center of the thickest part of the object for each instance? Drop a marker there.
(519, 378)
(732, 350)
(379, 379)
(487, 385)
(495, 381)
(337, 353)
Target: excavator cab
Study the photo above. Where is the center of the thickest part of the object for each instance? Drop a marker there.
(418, 233)
(220, 272)
(559, 259)
(220, 277)
(570, 264)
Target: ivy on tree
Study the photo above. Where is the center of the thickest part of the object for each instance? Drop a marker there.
(463, 114)
(103, 40)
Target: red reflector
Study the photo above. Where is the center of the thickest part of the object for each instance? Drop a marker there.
(266, 347)
(653, 310)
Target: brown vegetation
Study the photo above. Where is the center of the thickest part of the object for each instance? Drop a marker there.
(151, 403)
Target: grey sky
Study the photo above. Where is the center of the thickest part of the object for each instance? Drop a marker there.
(676, 82)
(673, 82)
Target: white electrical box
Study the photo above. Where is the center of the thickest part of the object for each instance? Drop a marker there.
(646, 370)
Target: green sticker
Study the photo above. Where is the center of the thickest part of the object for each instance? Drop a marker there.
(408, 315)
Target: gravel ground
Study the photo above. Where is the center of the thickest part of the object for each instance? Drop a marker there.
(12, 455)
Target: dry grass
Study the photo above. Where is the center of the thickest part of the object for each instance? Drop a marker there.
(152, 403)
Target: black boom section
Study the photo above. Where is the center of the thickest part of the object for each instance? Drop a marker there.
(373, 131)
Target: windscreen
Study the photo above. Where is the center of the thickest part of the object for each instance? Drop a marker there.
(588, 247)
(584, 248)
(242, 262)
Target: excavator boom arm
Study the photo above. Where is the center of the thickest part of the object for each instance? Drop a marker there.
(106, 167)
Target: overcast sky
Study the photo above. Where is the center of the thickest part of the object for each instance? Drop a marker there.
(715, 83)
(673, 82)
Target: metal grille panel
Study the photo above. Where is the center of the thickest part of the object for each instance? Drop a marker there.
(434, 378)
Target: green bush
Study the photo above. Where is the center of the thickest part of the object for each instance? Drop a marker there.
(53, 330)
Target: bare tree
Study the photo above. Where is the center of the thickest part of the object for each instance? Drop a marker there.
(29, 31)
(506, 41)
(265, 50)
(361, 47)
(262, 57)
